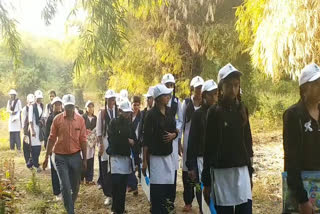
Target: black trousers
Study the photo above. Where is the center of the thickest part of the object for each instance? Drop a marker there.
(27, 153)
(99, 181)
(88, 174)
(162, 198)
(119, 189)
(15, 140)
(245, 208)
(106, 179)
(35, 152)
(189, 189)
(55, 180)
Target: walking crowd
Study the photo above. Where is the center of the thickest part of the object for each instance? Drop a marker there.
(208, 135)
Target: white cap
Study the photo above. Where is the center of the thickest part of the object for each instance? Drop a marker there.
(12, 92)
(226, 71)
(30, 98)
(124, 93)
(209, 85)
(196, 81)
(309, 73)
(110, 93)
(125, 105)
(56, 99)
(38, 94)
(150, 92)
(161, 89)
(68, 99)
(168, 78)
(88, 103)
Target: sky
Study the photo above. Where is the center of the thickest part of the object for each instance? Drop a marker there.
(28, 15)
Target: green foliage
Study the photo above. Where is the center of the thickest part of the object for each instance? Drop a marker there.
(33, 186)
(4, 116)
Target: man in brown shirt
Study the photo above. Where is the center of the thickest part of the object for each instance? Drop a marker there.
(67, 138)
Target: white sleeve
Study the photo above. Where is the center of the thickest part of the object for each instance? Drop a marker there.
(19, 106)
(30, 113)
(8, 107)
(24, 111)
(98, 126)
(179, 120)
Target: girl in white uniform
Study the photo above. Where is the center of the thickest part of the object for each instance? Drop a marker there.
(159, 133)
(189, 105)
(14, 108)
(228, 148)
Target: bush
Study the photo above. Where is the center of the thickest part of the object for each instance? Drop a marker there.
(3, 114)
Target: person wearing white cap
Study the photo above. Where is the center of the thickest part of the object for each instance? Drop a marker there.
(301, 136)
(228, 148)
(49, 109)
(26, 131)
(68, 141)
(120, 146)
(159, 132)
(56, 105)
(195, 151)
(91, 122)
(14, 108)
(176, 110)
(36, 125)
(190, 105)
(104, 117)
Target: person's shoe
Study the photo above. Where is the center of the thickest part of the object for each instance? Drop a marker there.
(108, 201)
(135, 192)
(39, 170)
(99, 186)
(59, 197)
(187, 208)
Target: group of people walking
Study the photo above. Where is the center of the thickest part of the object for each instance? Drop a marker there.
(210, 130)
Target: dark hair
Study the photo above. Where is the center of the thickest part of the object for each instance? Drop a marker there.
(241, 107)
(52, 92)
(136, 99)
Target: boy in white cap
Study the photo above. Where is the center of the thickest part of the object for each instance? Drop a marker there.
(159, 132)
(67, 141)
(190, 105)
(301, 136)
(14, 109)
(26, 131)
(120, 146)
(104, 117)
(36, 124)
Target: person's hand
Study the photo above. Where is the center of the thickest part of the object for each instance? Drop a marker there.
(25, 138)
(33, 132)
(45, 163)
(144, 168)
(192, 175)
(131, 142)
(306, 208)
(84, 165)
(101, 149)
(180, 151)
(206, 194)
(169, 137)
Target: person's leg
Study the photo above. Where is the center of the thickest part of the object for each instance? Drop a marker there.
(90, 168)
(11, 140)
(170, 197)
(245, 208)
(188, 188)
(75, 168)
(132, 181)
(35, 155)
(65, 186)
(122, 192)
(159, 198)
(26, 152)
(175, 186)
(55, 180)
(119, 188)
(99, 181)
(106, 179)
(224, 210)
(198, 190)
(17, 140)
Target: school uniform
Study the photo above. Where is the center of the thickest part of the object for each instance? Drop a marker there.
(162, 161)
(14, 109)
(26, 139)
(121, 164)
(227, 158)
(188, 109)
(103, 119)
(35, 117)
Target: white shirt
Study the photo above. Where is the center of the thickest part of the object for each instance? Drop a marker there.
(100, 128)
(14, 118)
(120, 164)
(35, 141)
(231, 186)
(175, 143)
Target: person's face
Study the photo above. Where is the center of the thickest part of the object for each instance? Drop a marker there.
(313, 92)
(90, 109)
(52, 95)
(169, 85)
(69, 109)
(39, 100)
(57, 107)
(164, 99)
(150, 102)
(111, 102)
(197, 90)
(12, 96)
(136, 107)
(231, 88)
(211, 97)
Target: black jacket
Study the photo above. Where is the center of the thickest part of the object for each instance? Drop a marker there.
(119, 131)
(90, 124)
(301, 142)
(49, 124)
(228, 142)
(196, 137)
(155, 127)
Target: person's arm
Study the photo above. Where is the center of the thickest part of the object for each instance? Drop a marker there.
(292, 140)
(51, 141)
(193, 141)
(99, 133)
(30, 118)
(9, 107)
(48, 128)
(180, 120)
(83, 143)
(147, 140)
